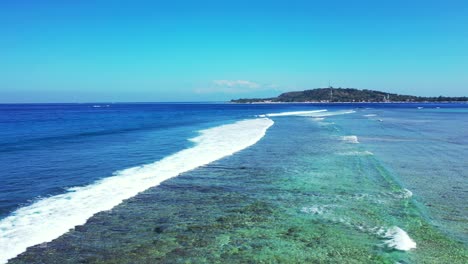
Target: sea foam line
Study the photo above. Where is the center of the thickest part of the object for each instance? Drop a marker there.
(311, 113)
(356, 153)
(394, 237)
(334, 113)
(49, 218)
(296, 113)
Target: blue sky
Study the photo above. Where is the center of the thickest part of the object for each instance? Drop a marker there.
(85, 51)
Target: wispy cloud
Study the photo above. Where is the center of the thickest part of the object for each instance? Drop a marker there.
(234, 86)
(237, 83)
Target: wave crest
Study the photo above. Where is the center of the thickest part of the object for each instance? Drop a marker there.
(49, 218)
(350, 139)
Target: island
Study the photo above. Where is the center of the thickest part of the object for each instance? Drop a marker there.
(346, 95)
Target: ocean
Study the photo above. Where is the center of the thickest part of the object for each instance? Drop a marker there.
(234, 183)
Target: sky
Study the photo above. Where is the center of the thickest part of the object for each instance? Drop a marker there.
(171, 51)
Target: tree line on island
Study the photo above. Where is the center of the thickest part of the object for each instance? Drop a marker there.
(331, 95)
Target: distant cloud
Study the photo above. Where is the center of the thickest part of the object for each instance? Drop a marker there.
(234, 86)
(237, 83)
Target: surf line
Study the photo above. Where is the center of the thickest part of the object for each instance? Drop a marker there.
(49, 218)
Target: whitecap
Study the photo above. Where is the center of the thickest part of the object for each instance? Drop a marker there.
(312, 113)
(350, 139)
(326, 123)
(334, 113)
(394, 236)
(398, 239)
(49, 218)
(318, 118)
(295, 113)
(404, 194)
(357, 153)
(316, 209)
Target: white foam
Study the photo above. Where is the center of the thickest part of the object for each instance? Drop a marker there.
(397, 238)
(405, 194)
(313, 113)
(401, 194)
(370, 115)
(51, 217)
(326, 123)
(350, 139)
(316, 209)
(334, 113)
(357, 153)
(296, 113)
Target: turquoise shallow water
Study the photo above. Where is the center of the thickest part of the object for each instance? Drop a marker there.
(426, 151)
(372, 186)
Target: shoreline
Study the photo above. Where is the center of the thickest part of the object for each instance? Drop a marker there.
(397, 102)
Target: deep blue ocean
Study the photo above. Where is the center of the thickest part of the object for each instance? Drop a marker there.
(215, 182)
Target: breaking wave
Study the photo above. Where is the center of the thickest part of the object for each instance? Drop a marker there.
(350, 139)
(397, 238)
(49, 218)
(296, 113)
(357, 153)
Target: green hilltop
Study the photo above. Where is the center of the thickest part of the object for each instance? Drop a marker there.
(327, 95)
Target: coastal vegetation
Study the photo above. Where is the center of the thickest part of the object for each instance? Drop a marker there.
(326, 95)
